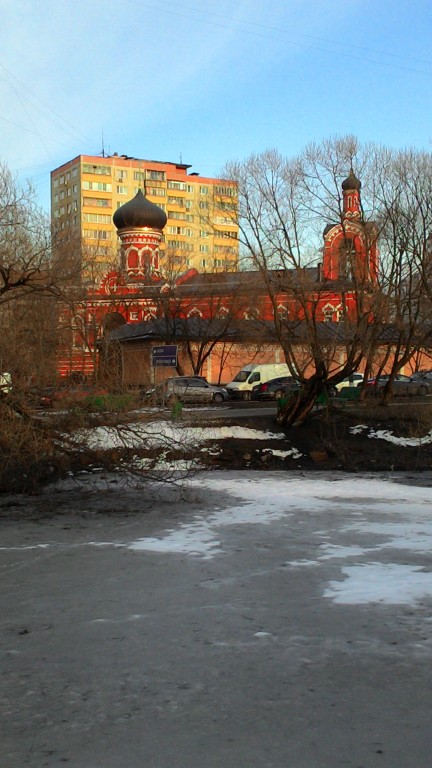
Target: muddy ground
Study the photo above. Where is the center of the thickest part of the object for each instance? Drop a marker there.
(331, 441)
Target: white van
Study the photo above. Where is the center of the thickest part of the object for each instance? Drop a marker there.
(251, 375)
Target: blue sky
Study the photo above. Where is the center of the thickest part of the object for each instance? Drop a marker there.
(208, 83)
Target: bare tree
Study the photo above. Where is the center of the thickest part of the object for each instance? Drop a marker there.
(402, 188)
(282, 206)
(28, 288)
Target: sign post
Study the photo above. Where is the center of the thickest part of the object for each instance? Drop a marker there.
(164, 357)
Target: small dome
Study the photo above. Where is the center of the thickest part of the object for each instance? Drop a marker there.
(351, 182)
(139, 212)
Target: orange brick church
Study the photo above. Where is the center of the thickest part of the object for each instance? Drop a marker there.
(218, 320)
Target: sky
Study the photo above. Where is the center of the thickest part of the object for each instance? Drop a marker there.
(205, 84)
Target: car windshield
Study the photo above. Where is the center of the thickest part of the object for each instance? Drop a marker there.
(242, 376)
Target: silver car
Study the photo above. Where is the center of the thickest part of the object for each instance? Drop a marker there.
(402, 385)
(193, 389)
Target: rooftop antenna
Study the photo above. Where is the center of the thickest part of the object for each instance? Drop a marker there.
(103, 147)
(142, 177)
(181, 159)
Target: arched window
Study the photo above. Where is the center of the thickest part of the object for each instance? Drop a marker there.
(195, 312)
(149, 316)
(281, 312)
(251, 314)
(222, 312)
(347, 258)
(331, 313)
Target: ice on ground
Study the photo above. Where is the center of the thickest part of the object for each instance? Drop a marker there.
(154, 434)
(388, 583)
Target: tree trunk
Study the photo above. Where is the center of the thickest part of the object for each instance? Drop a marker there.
(298, 407)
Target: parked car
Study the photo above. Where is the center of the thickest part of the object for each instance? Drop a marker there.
(422, 376)
(275, 388)
(355, 380)
(188, 389)
(402, 385)
(252, 375)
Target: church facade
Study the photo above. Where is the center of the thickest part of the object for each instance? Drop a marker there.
(219, 321)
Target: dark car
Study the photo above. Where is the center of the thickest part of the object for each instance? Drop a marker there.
(422, 376)
(275, 388)
(402, 386)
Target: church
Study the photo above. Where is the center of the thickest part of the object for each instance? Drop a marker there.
(219, 320)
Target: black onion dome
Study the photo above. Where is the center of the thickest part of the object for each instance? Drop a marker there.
(139, 212)
(351, 182)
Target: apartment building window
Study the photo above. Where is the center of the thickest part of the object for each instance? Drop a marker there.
(74, 172)
(224, 249)
(121, 175)
(69, 208)
(180, 245)
(204, 248)
(203, 233)
(179, 216)
(139, 175)
(222, 220)
(56, 198)
(190, 188)
(75, 189)
(69, 192)
(204, 206)
(218, 262)
(98, 218)
(122, 190)
(176, 201)
(188, 205)
(176, 230)
(177, 185)
(157, 175)
(156, 191)
(61, 179)
(227, 191)
(97, 201)
(67, 177)
(226, 234)
(203, 263)
(55, 183)
(101, 170)
(101, 186)
(97, 234)
(62, 194)
(204, 190)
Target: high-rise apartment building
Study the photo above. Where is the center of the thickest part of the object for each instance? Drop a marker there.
(201, 230)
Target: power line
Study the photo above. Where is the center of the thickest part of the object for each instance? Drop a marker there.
(282, 34)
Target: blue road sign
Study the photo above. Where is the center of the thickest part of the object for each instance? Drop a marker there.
(166, 355)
